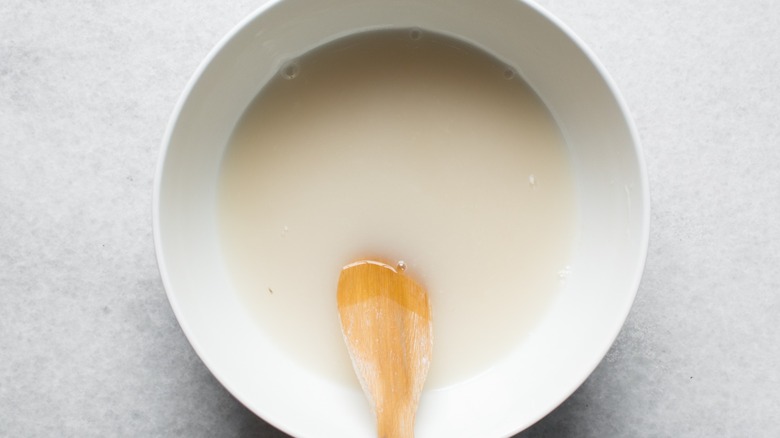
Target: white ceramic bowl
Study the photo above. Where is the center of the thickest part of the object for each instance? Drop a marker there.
(569, 341)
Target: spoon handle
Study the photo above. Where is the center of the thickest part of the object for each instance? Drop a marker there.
(395, 424)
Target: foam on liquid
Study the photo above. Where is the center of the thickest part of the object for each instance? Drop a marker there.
(398, 145)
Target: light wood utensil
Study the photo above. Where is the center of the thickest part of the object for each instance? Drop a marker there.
(386, 321)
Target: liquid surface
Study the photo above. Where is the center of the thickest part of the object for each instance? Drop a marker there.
(398, 145)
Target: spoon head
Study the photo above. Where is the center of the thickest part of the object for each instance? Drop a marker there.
(386, 321)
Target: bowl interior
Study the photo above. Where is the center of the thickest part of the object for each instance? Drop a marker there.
(567, 343)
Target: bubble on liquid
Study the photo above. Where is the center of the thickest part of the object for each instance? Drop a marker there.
(532, 181)
(509, 73)
(285, 230)
(401, 265)
(415, 34)
(290, 70)
(564, 273)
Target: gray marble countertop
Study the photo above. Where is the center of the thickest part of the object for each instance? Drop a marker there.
(90, 347)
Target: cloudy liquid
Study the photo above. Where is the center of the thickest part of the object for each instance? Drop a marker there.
(398, 145)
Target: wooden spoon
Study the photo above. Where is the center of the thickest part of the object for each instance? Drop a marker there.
(386, 321)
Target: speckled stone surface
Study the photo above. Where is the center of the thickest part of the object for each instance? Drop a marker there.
(90, 347)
